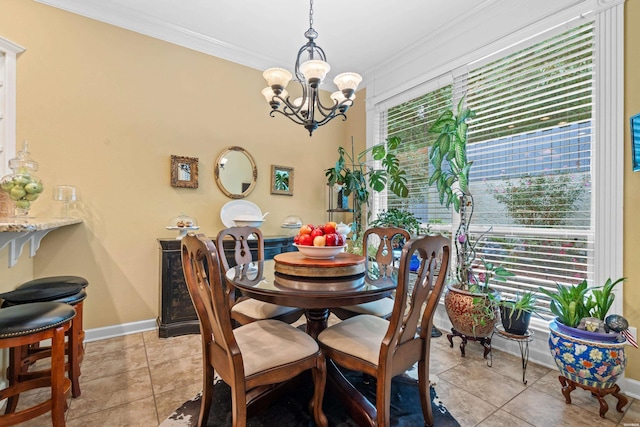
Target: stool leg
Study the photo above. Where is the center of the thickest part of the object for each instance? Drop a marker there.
(13, 373)
(57, 378)
(73, 348)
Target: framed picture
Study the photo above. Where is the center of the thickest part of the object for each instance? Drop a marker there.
(281, 180)
(635, 142)
(184, 171)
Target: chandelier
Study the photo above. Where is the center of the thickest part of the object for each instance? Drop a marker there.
(311, 68)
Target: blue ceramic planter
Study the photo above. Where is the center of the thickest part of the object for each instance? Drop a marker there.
(589, 362)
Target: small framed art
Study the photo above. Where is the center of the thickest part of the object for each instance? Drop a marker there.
(184, 171)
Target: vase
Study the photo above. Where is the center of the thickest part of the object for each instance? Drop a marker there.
(467, 314)
(589, 362)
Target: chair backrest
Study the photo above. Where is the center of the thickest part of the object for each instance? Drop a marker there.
(411, 293)
(241, 251)
(204, 281)
(378, 245)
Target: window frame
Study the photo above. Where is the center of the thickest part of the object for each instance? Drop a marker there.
(607, 156)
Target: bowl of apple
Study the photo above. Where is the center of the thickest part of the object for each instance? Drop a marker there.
(319, 242)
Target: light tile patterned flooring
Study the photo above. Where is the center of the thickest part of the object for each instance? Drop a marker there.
(139, 379)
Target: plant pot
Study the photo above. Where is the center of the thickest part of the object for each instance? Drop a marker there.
(581, 333)
(590, 362)
(467, 317)
(516, 321)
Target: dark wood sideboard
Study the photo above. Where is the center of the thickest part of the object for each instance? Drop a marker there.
(177, 315)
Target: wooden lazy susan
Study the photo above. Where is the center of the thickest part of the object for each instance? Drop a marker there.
(297, 264)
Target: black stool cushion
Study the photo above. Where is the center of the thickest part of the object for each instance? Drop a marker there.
(27, 319)
(55, 280)
(53, 293)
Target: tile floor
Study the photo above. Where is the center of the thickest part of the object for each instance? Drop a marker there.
(139, 379)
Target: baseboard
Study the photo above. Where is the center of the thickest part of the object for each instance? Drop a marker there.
(119, 330)
(630, 387)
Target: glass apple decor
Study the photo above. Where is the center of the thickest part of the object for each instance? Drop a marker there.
(319, 235)
(22, 187)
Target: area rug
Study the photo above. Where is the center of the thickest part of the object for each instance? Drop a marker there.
(290, 410)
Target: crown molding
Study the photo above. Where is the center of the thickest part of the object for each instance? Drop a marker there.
(133, 20)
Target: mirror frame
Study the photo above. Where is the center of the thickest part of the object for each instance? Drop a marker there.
(274, 171)
(254, 168)
(192, 162)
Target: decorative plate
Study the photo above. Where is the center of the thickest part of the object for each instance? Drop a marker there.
(237, 208)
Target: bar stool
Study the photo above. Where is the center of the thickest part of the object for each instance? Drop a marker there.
(73, 295)
(28, 324)
(44, 283)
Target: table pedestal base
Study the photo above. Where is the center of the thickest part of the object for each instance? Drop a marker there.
(569, 385)
(485, 341)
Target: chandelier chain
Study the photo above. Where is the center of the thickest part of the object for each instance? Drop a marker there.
(310, 13)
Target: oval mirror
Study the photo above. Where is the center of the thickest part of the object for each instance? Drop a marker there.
(235, 172)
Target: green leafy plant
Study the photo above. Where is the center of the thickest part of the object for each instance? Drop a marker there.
(485, 307)
(400, 218)
(572, 303)
(602, 299)
(354, 175)
(452, 181)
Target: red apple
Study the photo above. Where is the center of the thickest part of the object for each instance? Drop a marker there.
(305, 240)
(330, 227)
(319, 241)
(341, 241)
(296, 239)
(331, 239)
(317, 232)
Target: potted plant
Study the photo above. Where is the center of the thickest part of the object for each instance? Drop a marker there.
(354, 175)
(515, 314)
(588, 354)
(470, 309)
(400, 218)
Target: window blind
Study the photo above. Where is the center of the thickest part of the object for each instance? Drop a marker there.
(531, 146)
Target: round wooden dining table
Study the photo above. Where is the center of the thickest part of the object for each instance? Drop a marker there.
(316, 292)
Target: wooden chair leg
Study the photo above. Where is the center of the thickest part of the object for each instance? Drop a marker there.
(319, 381)
(425, 392)
(383, 400)
(238, 405)
(207, 392)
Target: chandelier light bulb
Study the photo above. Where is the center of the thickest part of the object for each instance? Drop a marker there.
(348, 83)
(314, 71)
(269, 95)
(277, 79)
(339, 97)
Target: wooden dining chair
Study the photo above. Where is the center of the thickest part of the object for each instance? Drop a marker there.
(246, 310)
(378, 244)
(386, 348)
(252, 356)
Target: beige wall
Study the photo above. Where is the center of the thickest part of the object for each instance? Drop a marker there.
(104, 108)
(631, 181)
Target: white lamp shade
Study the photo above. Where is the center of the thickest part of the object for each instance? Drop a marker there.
(268, 94)
(339, 97)
(314, 70)
(348, 81)
(278, 77)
